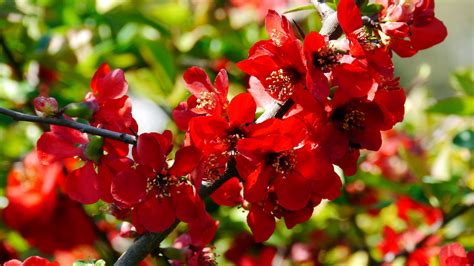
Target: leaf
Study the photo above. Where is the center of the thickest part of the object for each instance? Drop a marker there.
(465, 139)
(300, 8)
(463, 81)
(371, 9)
(463, 106)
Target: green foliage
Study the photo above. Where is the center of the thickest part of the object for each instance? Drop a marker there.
(462, 105)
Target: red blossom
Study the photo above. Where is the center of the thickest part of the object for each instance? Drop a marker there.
(31, 261)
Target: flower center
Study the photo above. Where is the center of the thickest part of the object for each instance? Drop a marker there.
(276, 37)
(281, 83)
(232, 138)
(213, 169)
(369, 42)
(283, 162)
(325, 59)
(160, 185)
(353, 119)
(206, 101)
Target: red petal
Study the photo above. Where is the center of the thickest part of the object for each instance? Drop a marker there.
(293, 191)
(129, 187)
(349, 16)
(256, 185)
(187, 203)
(261, 224)
(202, 230)
(186, 160)
(100, 73)
(278, 28)
(428, 35)
(221, 84)
(452, 255)
(229, 194)
(82, 185)
(52, 148)
(297, 217)
(149, 151)
(111, 86)
(155, 215)
(261, 97)
(197, 81)
(242, 109)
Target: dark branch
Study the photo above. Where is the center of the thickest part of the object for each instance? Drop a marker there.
(61, 121)
(16, 66)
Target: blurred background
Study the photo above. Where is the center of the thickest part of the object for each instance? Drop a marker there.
(54, 47)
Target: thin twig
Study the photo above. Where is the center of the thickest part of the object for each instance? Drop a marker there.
(16, 66)
(61, 121)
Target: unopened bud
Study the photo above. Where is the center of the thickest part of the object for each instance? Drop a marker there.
(93, 150)
(81, 110)
(45, 106)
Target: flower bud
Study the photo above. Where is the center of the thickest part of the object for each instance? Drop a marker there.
(45, 106)
(93, 150)
(82, 110)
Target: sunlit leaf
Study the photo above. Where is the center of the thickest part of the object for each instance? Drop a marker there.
(464, 81)
(463, 106)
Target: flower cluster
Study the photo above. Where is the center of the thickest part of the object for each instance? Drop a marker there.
(343, 94)
(47, 219)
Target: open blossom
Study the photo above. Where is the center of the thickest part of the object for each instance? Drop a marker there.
(410, 25)
(31, 261)
(158, 194)
(277, 63)
(206, 99)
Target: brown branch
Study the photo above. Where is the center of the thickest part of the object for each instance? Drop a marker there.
(61, 121)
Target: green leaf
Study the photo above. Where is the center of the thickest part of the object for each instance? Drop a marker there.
(465, 139)
(464, 81)
(371, 9)
(89, 263)
(463, 106)
(300, 8)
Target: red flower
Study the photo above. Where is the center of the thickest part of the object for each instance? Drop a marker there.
(31, 261)
(113, 109)
(411, 25)
(407, 206)
(48, 221)
(245, 251)
(277, 63)
(283, 181)
(156, 194)
(205, 98)
(193, 255)
(454, 254)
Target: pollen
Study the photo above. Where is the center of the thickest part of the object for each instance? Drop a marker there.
(353, 119)
(276, 37)
(281, 83)
(206, 101)
(284, 162)
(325, 59)
(160, 185)
(369, 42)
